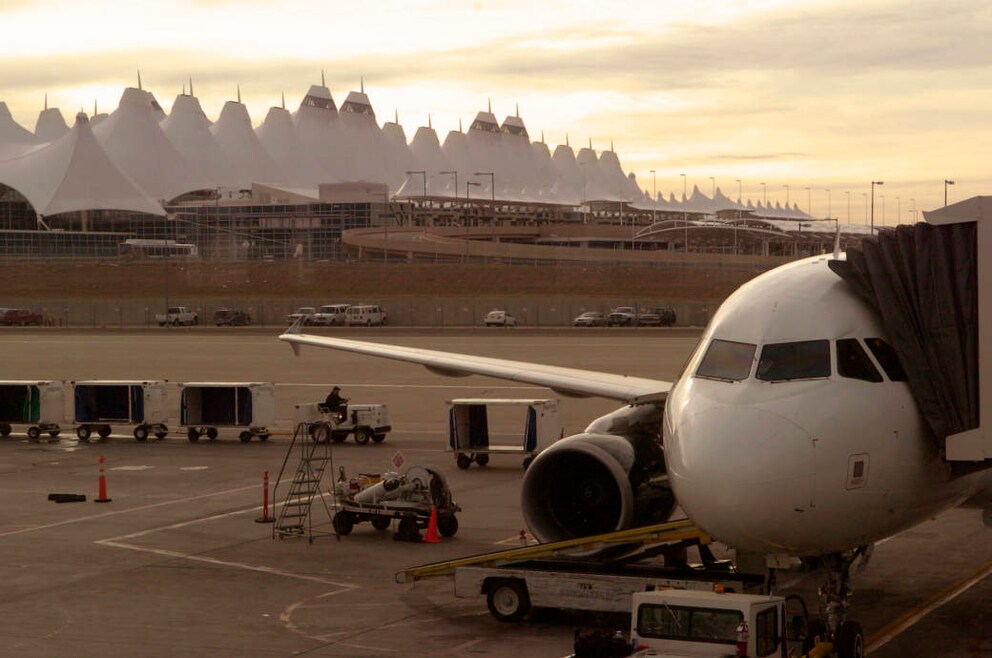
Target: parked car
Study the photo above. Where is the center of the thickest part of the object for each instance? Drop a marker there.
(366, 314)
(590, 319)
(622, 316)
(305, 313)
(20, 317)
(656, 317)
(498, 318)
(331, 315)
(177, 315)
(231, 317)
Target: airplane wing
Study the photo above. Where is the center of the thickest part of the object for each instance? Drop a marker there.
(570, 382)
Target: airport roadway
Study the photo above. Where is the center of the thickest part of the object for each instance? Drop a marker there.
(176, 565)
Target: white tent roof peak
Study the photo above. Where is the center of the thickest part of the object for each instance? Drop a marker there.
(320, 97)
(484, 121)
(357, 102)
(51, 125)
(14, 138)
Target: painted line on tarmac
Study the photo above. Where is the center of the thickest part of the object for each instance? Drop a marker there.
(123, 511)
(911, 618)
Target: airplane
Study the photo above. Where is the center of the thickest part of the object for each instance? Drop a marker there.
(790, 432)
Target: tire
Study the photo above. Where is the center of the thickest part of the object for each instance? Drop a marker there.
(245, 436)
(463, 461)
(380, 522)
(378, 438)
(5, 430)
(141, 432)
(320, 432)
(339, 437)
(482, 460)
(53, 433)
(408, 530)
(161, 432)
(343, 523)
(850, 640)
(34, 433)
(362, 435)
(447, 525)
(263, 437)
(103, 431)
(83, 432)
(508, 600)
(193, 435)
(211, 433)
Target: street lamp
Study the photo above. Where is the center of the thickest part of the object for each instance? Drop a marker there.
(946, 183)
(685, 215)
(492, 190)
(455, 174)
(873, 184)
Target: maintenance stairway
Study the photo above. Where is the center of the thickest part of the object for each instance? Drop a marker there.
(296, 515)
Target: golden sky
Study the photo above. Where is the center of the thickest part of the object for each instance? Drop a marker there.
(802, 96)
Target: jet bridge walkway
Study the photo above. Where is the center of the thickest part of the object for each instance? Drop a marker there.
(660, 534)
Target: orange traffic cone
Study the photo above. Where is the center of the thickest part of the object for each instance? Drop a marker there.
(432, 537)
(102, 496)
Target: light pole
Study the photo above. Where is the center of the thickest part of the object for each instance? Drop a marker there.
(685, 215)
(424, 174)
(385, 228)
(492, 190)
(873, 184)
(455, 174)
(946, 183)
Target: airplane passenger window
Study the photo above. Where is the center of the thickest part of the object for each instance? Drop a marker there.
(727, 360)
(887, 358)
(808, 359)
(853, 362)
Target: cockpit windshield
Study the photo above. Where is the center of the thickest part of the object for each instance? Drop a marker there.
(727, 360)
(780, 362)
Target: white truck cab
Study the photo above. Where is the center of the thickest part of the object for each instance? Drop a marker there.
(707, 624)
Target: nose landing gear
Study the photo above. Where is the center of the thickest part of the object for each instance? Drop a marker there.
(835, 595)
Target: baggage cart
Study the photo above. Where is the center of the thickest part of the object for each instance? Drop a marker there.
(473, 422)
(206, 407)
(38, 404)
(100, 404)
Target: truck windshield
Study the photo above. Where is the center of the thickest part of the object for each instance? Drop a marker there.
(688, 624)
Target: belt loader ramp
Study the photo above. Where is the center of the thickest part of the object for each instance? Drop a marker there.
(515, 581)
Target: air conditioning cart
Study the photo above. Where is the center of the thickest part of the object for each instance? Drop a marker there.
(100, 404)
(206, 407)
(473, 422)
(38, 404)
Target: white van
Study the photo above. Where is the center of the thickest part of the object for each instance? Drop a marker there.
(331, 315)
(366, 314)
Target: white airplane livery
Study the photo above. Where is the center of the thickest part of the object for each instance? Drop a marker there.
(792, 431)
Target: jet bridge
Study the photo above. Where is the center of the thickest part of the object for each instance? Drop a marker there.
(928, 282)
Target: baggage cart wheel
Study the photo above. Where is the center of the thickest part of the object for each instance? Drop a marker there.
(161, 432)
(380, 522)
(34, 433)
(4, 430)
(211, 433)
(463, 461)
(54, 433)
(245, 436)
(343, 523)
(408, 530)
(850, 640)
(264, 437)
(83, 432)
(362, 435)
(141, 432)
(482, 460)
(193, 435)
(378, 438)
(447, 525)
(339, 437)
(103, 431)
(508, 600)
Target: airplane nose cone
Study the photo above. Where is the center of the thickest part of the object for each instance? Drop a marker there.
(737, 470)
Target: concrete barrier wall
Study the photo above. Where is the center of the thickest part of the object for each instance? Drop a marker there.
(406, 312)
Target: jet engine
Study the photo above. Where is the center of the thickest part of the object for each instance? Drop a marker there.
(610, 477)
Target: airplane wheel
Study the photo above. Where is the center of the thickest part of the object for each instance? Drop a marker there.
(245, 436)
(380, 522)
(408, 530)
(193, 435)
(83, 432)
(34, 433)
(362, 436)
(508, 600)
(104, 431)
(850, 640)
(343, 523)
(211, 433)
(140, 432)
(482, 460)
(463, 461)
(53, 433)
(447, 525)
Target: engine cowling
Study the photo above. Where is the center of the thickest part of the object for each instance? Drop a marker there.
(610, 477)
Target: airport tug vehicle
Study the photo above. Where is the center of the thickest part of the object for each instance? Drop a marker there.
(411, 498)
(363, 421)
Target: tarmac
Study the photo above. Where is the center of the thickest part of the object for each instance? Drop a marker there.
(175, 564)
